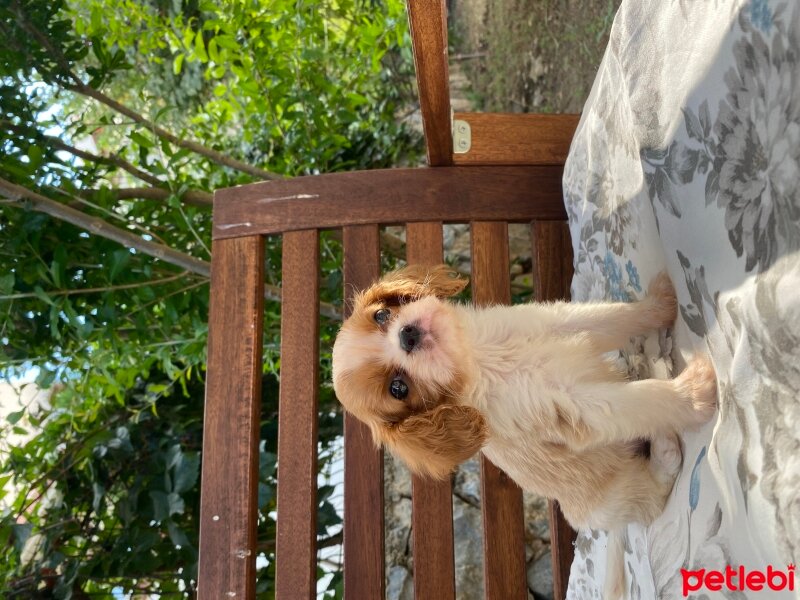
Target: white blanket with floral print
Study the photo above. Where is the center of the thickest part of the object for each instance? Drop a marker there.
(687, 158)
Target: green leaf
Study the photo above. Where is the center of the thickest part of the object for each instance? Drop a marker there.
(98, 491)
(35, 155)
(119, 261)
(46, 378)
(187, 472)
(177, 63)
(142, 140)
(212, 50)
(175, 504)
(57, 267)
(227, 41)
(96, 19)
(265, 495)
(14, 417)
(173, 456)
(177, 535)
(42, 296)
(199, 47)
(7, 283)
(266, 464)
(22, 532)
(161, 506)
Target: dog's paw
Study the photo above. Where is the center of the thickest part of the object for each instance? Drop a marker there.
(699, 384)
(666, 456)
(661, 294)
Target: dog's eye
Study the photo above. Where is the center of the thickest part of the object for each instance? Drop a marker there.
(398, 388)
(382, 315)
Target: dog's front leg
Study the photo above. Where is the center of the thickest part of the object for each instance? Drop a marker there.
(611, 324)
(606, 412)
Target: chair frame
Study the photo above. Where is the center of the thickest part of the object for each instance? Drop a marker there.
(511, 173)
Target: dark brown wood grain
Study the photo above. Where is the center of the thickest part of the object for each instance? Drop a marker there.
(552, 260)
(427, 21)
(424, 243)
(363, 462)
(503, 528)
(517, 139)
(552, 270)
(387, 196)
(296, 544)
(431, 500)
(562, 549)
(229, 492)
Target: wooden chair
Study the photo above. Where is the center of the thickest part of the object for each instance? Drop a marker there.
(510, 171)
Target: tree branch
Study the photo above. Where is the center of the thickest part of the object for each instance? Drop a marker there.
(97, 226)
(158, 192)
(197, 148)
(88, 156)
(80, 87)
(195, 197)
(17, 195)
(111, 288)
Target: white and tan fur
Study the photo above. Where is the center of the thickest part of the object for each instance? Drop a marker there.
(530, 387)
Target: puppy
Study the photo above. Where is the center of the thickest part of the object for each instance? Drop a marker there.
(527, 385)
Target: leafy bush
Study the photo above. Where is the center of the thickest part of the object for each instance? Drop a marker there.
(120, 118)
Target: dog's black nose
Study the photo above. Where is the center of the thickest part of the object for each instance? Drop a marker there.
(409, 338)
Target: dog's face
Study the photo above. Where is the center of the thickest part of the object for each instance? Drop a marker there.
(400, 365)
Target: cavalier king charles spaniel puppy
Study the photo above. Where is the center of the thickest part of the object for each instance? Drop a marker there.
(529, 386)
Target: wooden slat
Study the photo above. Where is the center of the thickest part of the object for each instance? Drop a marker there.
(363, 470)
(562, 549)
(428, 23)
(424, 243)
(296, 548)
(501, 498)
(229, 494)
(552, 268)
(517, 139)
(552, 260)
(450, 194)
(432, 501)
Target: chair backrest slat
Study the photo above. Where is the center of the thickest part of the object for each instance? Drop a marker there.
(296, 548)
(517, 139)
(387, 196)
(230, 434)
(552, 271)
(552, 260)
(431, 501)
(363, 462)
(501, 498)
(424, 243)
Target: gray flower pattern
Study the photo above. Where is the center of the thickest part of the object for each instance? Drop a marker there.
(687, 158)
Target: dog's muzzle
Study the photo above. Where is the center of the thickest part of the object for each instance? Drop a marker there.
(410, 337)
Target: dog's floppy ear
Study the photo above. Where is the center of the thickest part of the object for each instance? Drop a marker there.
(434, 442)
(416, 281)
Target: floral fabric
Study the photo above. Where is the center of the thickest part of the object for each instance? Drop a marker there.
(687, 158)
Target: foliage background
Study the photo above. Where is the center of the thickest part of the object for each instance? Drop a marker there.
(119, 118)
